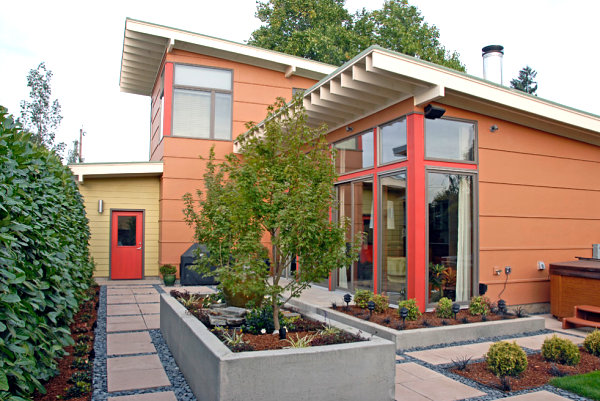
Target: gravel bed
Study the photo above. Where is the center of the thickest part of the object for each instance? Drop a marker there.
(99, 376)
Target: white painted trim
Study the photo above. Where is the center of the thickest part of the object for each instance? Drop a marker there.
(88, 170)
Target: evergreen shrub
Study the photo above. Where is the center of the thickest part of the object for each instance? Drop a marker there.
(560, 350)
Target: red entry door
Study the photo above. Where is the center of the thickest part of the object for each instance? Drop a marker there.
(126, 245)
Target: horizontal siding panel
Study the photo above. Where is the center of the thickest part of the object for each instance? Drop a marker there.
(524, 201)
(532, 170)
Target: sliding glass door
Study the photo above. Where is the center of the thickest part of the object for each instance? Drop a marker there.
(450, 231)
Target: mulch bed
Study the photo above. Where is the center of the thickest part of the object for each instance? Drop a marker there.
(538, 372)
(82, 331)
(391, 319)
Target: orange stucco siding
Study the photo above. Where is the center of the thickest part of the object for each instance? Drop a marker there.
(254, 89)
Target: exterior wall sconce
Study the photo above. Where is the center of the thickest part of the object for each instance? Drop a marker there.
(494, 128)
(100, 206)
(349, 129)
(432, 112)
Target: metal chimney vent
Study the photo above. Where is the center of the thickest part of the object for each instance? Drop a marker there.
(492, 63)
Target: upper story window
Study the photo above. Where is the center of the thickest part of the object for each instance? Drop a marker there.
(450, 140)
(202, 102)
(392, 141)
(355, 153)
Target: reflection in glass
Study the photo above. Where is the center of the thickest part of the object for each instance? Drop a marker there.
(393, 236)
(449, 139)
(345, 212)
(222, 115)
(354, 153)
(363, 222)
(450, 208)
(393, 141)
(201, 77)
(126, 230)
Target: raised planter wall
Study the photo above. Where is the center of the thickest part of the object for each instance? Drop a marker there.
(358, 371)
(430, 336)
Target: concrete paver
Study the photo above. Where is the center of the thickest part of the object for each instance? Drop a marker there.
(136, 379)
(149, 308)
(153, 298)
(152, 321)
(122, 309)
(120, 299)
(440, 356)
(159, 396)
(536, 396)
(144, 290)
(127, 363)
(125, 323)
(406, 394)
(129, 343)
(443, 389)
(119, 291)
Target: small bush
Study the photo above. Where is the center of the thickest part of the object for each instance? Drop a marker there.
(81, 363)
(81, 349)
(381, 302)
(362, 298)
(479, 306)
(592, 343)
(560, 350)
(259, 319)
(444, 308)
(413, 308)
(506, 359)
(78, 390)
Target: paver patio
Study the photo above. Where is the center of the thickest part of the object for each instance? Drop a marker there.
(133, 362)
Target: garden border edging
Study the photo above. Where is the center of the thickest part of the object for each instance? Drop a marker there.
(354, 371)
(430, 336)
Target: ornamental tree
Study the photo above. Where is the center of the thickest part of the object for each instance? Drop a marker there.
(269, 205)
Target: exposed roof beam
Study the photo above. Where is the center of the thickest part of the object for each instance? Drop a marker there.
(347, 82)
(323, 110)
(142, 52)
(290, 70)
(337, 89)
(326, 94)
(318, 101)
(325, 117)
(171, 45)
(359, 73)
(147, 61)
(137, 73)
(143, 44)
(370, 67)
(429, 95)
(155, 40)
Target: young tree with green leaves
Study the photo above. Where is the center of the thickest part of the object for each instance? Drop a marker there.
(73, 156)
(282, 184)
(323, 30)
(525, 81)
(41, 116)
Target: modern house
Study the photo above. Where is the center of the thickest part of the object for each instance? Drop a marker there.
(457, 181)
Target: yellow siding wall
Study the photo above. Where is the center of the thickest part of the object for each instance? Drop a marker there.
(139, 193)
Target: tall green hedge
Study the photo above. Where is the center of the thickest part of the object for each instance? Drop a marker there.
(45, 267)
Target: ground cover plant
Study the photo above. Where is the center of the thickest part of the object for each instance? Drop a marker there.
(257, 333)
(441, 316)
(45, 267)
(586, 385)
(540, 369)
(282, 186)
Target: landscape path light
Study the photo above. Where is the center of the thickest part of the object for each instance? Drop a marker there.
(371, 307)
(455, 309)
(403, 314)
(347, 299)
(502, 306)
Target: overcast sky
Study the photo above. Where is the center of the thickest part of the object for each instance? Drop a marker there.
(81, 42)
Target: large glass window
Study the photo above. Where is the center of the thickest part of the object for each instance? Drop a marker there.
(354, 153)
(393, 236)
(450, 213)
(202, 102)
(392, 141)
(450, 140)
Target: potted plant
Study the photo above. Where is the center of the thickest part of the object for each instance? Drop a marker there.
(168, 274)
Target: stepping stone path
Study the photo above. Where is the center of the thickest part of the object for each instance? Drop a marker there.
(132, 360)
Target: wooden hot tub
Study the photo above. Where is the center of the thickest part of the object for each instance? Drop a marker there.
(574, 283)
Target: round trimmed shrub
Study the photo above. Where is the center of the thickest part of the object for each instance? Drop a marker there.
(506, 359)
(381, 302)
(592, 343)
(560, 350)
(362, 298)
(413, 308)
(479, 306)
(444, 308)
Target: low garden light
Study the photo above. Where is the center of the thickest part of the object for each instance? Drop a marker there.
(455, 309)
(282, 333)
(502, 306)
(371, 307)
(403, 314)
(347, 299)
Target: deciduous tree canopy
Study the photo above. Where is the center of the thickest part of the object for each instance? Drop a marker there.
(323, 30)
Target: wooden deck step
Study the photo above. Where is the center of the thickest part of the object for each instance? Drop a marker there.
(587, 308)
(571, 322)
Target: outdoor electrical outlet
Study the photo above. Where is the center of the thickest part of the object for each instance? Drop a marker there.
(507, 270)
(541, 265)
(497, 271)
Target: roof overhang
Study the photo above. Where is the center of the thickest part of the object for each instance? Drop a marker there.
(378, 78)
(145, 46)
(112, 170)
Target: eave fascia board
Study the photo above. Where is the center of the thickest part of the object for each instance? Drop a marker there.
(131, 169)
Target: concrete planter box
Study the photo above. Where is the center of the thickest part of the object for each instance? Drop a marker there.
(430, 336)
(358, 371)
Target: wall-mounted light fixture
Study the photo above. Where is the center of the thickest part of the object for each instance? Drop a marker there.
(494, 128)
(100, 206)
(349, 129)
(432, 112)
